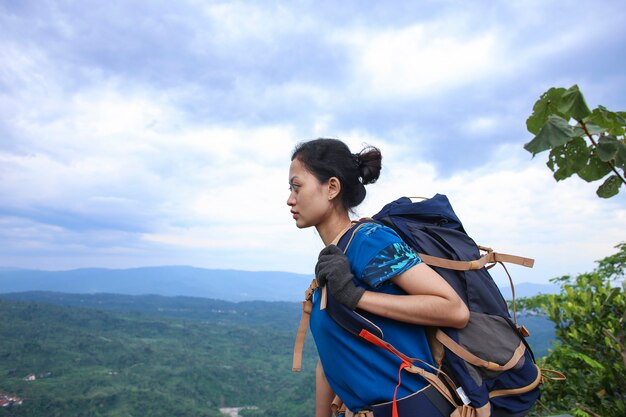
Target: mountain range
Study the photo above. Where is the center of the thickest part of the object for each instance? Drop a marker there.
(228, 285)
(221, 284)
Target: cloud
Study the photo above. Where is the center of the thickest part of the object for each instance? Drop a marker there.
(481, 125)
(513, 205)
(421, 61)
(157, 133)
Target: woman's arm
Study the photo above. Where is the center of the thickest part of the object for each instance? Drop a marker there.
(430, 300)
(324, 394)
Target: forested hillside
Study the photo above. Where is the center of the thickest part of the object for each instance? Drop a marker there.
(117, 355)
(93, 362)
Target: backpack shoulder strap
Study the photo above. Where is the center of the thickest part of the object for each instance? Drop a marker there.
(337, 311)
(349, 320)
(490, 257)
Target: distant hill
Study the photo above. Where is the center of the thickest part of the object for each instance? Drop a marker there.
(229, 285)
(171, 281)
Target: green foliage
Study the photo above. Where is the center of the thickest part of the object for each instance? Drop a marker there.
(160, 356)
(590, 322)
(593, 146)
(171, 362)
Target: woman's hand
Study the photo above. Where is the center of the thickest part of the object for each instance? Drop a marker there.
(333, 269)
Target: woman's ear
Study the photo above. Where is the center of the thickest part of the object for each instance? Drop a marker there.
(334, 187)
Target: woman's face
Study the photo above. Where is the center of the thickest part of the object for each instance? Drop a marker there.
(308, 198)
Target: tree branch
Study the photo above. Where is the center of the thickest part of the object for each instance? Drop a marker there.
(619, 342)
(587, 410)
(595, 144)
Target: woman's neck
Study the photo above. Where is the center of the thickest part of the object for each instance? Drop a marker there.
(330, 229)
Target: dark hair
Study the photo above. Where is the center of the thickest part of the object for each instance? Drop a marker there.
(327, 158)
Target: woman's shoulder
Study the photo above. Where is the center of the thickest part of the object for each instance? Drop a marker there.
(368, 239)
(374, 231)
(377, 253)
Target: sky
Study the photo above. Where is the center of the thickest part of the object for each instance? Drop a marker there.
(146, 133)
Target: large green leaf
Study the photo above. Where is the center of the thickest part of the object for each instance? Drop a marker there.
(608, 147)
(595, 169)
(613, 122)
(620, 158)
(555, 132)
(544, 107)
(610, 187)
(568, 159)
(573, 104)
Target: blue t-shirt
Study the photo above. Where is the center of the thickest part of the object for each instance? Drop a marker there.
(360, 373)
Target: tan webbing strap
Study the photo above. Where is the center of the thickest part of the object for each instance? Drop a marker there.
(487, 258)
(340, 235)
(323, 298)
(513, 303)
(513, 259)
(475, 360)
(469, 411)
(449, 264)
(363, 413)
(463, 411)
(436, 348)
(337, 406)
(431, 377)
(557, 376)
(521, 390)
(459, 411)
(435, 382)
(307, 306)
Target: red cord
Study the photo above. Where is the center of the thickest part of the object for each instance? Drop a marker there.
(394, 412)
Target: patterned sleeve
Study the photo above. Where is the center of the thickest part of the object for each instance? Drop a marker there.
(391, 261)
(377, 254)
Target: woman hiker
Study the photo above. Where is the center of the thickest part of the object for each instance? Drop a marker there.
(379, 275)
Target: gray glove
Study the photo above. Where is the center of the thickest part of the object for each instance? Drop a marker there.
(333, 269)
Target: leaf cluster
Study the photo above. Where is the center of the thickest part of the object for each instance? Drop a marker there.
(589, 143)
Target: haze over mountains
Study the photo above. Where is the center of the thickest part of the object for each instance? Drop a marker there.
(229, 285)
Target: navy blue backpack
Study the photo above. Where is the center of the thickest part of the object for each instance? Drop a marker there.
(486, 368)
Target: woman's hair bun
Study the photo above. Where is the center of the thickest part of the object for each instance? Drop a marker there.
(369, 162)
(326, 158)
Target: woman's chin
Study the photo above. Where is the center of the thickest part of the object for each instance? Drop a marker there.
(301, 224)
